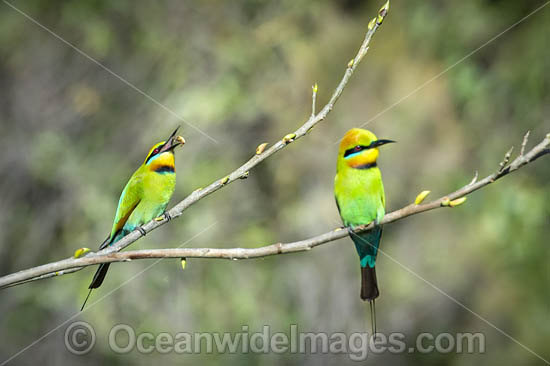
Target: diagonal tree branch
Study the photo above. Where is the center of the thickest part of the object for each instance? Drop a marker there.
(239, 173)
(451, 200)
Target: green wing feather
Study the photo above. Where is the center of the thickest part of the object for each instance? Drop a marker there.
(129, 200)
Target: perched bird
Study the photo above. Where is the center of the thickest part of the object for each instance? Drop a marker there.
(144, 198)
(359, 194)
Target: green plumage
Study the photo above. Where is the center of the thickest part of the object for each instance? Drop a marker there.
(144, 197)
(360, 197)
(359, 194)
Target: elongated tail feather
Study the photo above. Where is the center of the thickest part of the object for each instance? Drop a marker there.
(369, 285)
(86, 300)
(369, 292)
(96, 281)
(99, 275)
(372, 304)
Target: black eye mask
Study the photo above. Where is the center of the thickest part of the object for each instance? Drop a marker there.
(359, 148)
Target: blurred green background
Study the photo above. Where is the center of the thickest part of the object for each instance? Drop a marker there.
(72, 134)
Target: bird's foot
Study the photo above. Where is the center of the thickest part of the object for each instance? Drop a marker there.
(165, 216)
(142, 231)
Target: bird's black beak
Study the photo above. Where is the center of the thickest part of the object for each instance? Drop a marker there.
(173, 141)
(377, 143)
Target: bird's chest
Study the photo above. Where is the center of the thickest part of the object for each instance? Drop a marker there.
(159, 187)
(360, 199)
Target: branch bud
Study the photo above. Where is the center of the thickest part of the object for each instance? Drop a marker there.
(421, 196)
(372, 23)
(224, 179)
(383, 12)
(457, 202)
(289, 138)
(261, 147)
(445, 202)
(80, 252)
(183, 263)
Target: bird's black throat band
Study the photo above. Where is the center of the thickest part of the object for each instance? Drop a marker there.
(165, 169)
(366, 166)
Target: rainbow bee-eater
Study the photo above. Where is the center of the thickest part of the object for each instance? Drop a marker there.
(144, 198)
(360, 199)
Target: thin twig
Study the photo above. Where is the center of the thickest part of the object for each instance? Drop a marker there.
(524, 143)
(506, 159)
(314, 89)
(273, 249)
(474, 179)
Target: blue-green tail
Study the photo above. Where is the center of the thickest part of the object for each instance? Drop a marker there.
(367, 248)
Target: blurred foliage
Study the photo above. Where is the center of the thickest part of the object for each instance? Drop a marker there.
(72, 134)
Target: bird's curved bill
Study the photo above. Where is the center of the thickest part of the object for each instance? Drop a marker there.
(377, 143)
(173, 141)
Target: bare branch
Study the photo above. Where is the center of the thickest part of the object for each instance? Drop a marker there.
(314, 89)
(474, 179)
(506, 159)
(67, 265)
(524, 143)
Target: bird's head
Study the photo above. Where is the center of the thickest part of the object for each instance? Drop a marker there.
(359, 149)
(162, 153)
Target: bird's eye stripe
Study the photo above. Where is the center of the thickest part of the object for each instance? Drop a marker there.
(355, 149)
(153, 153)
